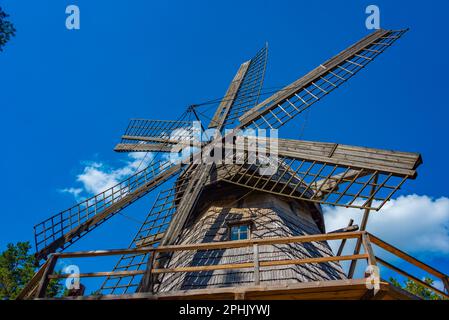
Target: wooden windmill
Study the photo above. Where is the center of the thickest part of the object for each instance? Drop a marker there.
(212, 209)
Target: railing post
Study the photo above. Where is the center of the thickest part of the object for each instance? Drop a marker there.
(147, 283)
(446, 284)
(256, 264)
(43, 283)
(363, 225)
(369, 249)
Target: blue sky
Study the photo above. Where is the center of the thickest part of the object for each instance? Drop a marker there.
(67, 96)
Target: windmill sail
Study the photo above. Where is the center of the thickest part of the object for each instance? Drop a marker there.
(150, 234)
(304, 92)
(242, 94)
(330, 173)
(66, 227)
(158, 135)
(244, 91)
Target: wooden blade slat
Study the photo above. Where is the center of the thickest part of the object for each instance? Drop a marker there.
(143, 147)
(160, 132)
(169, 146)
(395, 162)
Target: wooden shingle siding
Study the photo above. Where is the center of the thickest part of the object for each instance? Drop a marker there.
(271, 217)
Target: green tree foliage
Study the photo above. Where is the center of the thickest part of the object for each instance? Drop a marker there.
(7, 29)
(418, 289)
(17, 267)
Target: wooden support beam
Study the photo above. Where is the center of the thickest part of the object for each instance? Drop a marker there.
(362, 228)
(32, 286)
(148, 279)
(147, 147)
(368, 249)
(349, 228)
(343, 242)
(183, 140)
(45, 279)
(256, 264)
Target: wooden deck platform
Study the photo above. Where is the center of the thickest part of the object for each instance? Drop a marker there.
(319, 290)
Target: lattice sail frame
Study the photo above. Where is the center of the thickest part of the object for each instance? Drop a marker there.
(149, 234)
(249, 91)
(283, 106)
(73, 223)
(325, 173)
(144, 135)
(328, 183)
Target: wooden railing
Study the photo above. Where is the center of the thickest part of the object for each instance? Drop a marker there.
(404, 256)
(38, 285)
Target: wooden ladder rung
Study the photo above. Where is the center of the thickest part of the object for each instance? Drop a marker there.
(331, 83)
(355, 63)
(303, 101)
(337, 76)
(311, 94)
(288, 114)
(319, 88)
(344, 69)
(363, 57)
(372, 50)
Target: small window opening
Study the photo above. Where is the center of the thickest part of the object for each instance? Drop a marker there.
(240, 232)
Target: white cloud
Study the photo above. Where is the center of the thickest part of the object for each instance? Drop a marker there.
(73, 191)
(416, 224)
(97, 177)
